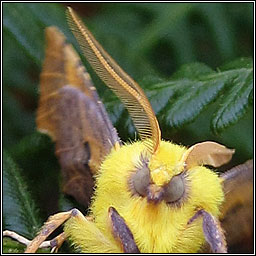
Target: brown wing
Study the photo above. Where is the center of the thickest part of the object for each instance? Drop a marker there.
(237, 211)
(71, 113)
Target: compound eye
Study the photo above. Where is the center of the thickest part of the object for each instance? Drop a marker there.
(175, 189)
(141, 180)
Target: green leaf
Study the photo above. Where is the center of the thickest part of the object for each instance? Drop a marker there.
(19, 211)
(35, 156)
(157, 95)
(235, 102)
(12, 247)
(190, 104)
(238, 63)
(25, 23)
(192, 71)
(194, 86)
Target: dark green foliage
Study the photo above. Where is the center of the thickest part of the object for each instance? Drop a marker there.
(195, 86)
(20, 213)
(235, 102)
(186, 56)
(35, 154)
(13, 247)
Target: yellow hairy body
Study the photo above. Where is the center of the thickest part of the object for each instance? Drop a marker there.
(157, 227)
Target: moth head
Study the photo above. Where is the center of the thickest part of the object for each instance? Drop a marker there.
(161, 179)
(156, 182)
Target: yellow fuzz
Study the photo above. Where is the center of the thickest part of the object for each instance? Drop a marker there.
(157, 228)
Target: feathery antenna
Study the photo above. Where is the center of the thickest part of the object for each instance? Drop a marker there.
(120, 82)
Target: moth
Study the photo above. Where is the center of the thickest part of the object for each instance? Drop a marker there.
(149, 196)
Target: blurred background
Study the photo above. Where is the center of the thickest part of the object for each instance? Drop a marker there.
(150, 41)
(145, 39)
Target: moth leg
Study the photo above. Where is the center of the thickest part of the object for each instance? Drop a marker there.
(23, 240)
(213, 232)
(122, 232)
(57, 242)
(54, 243)
(51, 224)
